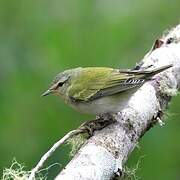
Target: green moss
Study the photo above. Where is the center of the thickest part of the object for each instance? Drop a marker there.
(130, 173)
(165, 89)
(17, 172)
(76, 142)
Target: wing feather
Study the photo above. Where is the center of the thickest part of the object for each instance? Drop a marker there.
(93, 83)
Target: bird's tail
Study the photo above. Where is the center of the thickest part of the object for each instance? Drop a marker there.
(148, 73)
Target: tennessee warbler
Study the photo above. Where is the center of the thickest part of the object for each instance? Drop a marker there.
(98, 90)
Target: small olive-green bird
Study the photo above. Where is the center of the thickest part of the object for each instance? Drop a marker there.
(98, 90)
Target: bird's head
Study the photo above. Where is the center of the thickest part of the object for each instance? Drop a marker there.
(61, 83)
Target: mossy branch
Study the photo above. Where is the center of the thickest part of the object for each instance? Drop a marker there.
(104, 154)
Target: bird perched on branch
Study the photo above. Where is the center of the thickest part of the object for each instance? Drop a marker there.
(98, 90)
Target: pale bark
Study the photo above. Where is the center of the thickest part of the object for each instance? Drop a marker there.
(104, 154)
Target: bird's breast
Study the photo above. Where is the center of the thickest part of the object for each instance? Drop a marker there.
(108, 104)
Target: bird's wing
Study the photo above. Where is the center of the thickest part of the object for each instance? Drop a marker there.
(93, 83)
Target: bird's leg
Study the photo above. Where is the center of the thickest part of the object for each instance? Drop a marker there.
(99, 123)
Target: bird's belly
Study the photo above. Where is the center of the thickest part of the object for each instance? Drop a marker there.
(108, 104)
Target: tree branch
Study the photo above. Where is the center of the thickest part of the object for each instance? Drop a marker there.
(104, 154)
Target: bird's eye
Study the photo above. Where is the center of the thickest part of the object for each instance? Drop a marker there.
(60, 84)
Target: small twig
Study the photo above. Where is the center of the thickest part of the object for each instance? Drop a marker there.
(52, 149)
(161, 123)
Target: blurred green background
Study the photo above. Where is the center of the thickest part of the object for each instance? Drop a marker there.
(40, 38)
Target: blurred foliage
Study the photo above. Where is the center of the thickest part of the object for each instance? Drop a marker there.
(40, 38)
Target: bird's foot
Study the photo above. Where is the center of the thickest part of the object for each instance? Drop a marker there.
(99, 123)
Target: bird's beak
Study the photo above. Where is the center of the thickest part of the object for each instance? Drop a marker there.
(46, 93)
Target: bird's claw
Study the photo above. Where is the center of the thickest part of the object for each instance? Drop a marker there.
(98, 124)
